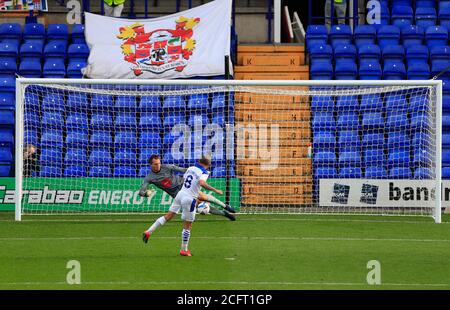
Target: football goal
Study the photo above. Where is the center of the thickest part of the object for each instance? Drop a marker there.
(322, 147)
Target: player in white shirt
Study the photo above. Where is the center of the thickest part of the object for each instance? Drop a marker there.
(186, 199)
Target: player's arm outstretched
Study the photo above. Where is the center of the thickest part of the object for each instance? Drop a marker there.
(177, 169)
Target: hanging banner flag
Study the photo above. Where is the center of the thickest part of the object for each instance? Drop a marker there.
(182, 45)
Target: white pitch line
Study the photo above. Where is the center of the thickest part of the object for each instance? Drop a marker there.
(228, 283)
(229, 238)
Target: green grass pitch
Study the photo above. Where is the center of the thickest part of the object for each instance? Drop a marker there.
(255, 252)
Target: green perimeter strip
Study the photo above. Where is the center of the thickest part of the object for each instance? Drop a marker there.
(95, 195)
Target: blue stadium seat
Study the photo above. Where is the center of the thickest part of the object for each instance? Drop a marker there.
(100, 172)
(350, 158)
(53, 102)
(425, 3)
(340, 34)
(78, 34)
(34, 33)
(219, 119)
(101, 120)
(440, 66)
(325, 173)
(446, 157)
(31, 119)
(125, 120)
(102, 102)
(400, 173)
(349, 140)
(52, 119)
(198, 119)
(50, 171)
(8, 67)
(7, 138)
(74, 69)
(75, 156)
(422, 158)
(125, 156)
(446, 173)
(52, 138)
(324, 158)
(372, 120)
(385, 17)
(7, 101)
(150, 120)
(419, 103)
(150, 103)
(10, 32)
(394, 71)
(444, 17)
(321, 71)
(372, 103)
(149, 139)
(350, 172)
(396, 121)
(348, 121)
(173, 119)
(402, 16)
(218, 101)
(7, 84)
(168, 141)
(398, 141)
(365, 34)
(221, 172)
(55, 49)
(369, 52)
(396, 102)
(418, 72)
(146, 153)
(144, 170)
(346, 70)
(51, 156)
(324, 140)
(394, 53)
(75, 171)
(101, 139)
(78, 52)
(8, 51)
(422, 139)
(399, 158)
(321, 52)
(100, 157)
(322, 103)
(388, 35)
(31, 50)
(436, 36)
(57, 32)
(323, 121)
(30, 68)
(446, 121)
(426, 17)
(5, 169)
(76, 138)
(347, 104)
(423, 173)
(125, 139)
(77, 101)
(440, 53)
(417, 54)
(168, 158)
(374, 157)
(77, 121)
(172, 103)
(125, 171)
(420, 122)
(412, 35)
(54, 68)
(370, 70)
(315, 35)
(198, 102)
(345, 52)
(125, 103)
(30, 137)
(375, 172)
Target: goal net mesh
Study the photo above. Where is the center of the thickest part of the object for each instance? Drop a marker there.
(274, 149)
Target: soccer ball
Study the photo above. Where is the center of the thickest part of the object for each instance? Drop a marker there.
(203, 208)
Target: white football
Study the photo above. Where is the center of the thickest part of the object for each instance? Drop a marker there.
(203, 208)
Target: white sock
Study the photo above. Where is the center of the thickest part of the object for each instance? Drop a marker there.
(216, 201)
(159, 222)
(185, 235)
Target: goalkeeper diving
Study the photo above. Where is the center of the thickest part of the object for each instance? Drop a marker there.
(164, 177)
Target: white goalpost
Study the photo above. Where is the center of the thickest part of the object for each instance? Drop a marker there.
(312, 147)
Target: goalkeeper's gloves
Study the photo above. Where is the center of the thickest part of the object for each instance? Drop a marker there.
(149, 192)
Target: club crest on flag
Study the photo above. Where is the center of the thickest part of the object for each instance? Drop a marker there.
(159, 50)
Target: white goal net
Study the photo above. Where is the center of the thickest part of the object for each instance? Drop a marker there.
(369, 147)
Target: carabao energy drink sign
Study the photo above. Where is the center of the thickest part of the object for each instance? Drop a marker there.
(94, 195)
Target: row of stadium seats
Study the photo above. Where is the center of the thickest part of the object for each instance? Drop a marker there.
(384, 36)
